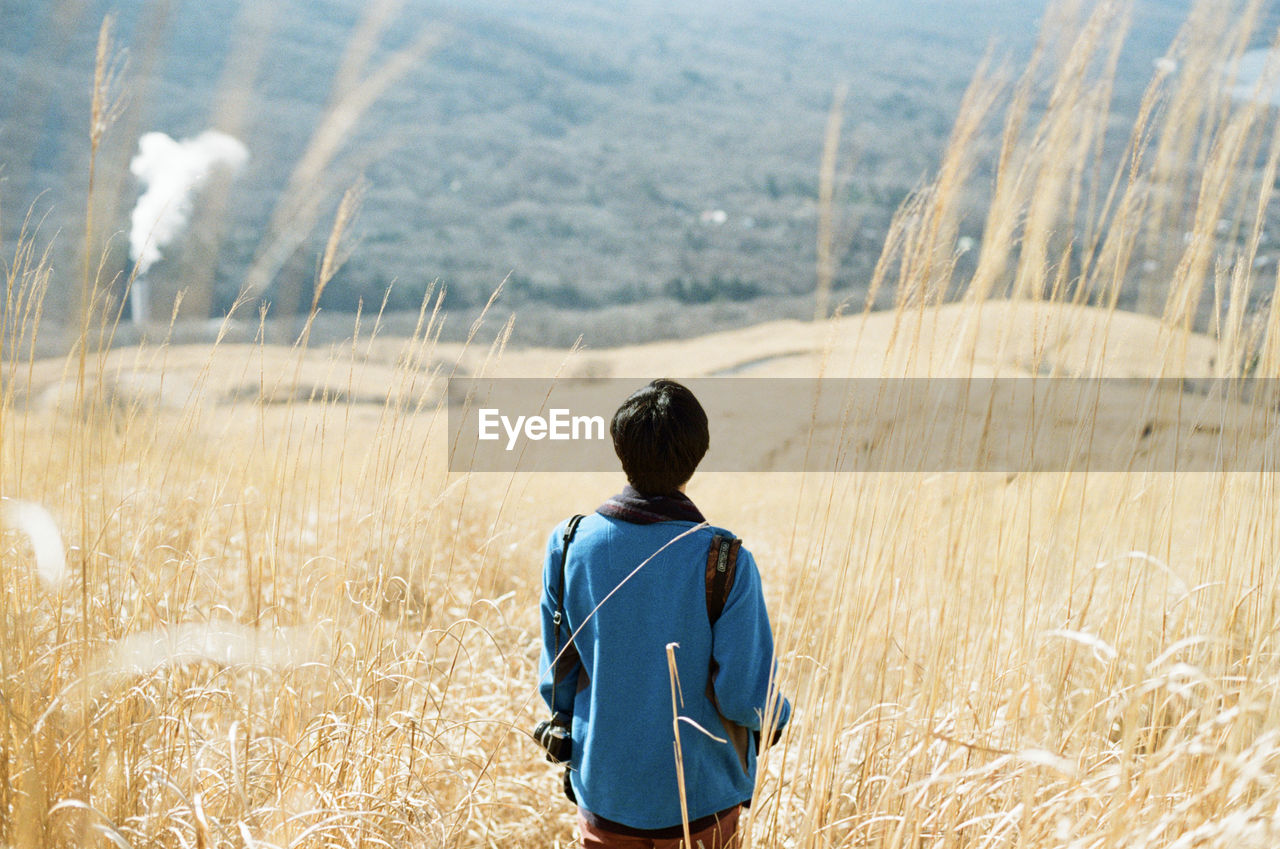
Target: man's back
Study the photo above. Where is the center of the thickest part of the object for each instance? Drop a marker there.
(635, 581)
(625, 611)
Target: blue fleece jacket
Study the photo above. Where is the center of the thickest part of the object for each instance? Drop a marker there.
(618, 690)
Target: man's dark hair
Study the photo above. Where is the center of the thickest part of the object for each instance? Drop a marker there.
(660, 434)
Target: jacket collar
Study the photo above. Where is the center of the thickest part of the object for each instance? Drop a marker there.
(631, 506)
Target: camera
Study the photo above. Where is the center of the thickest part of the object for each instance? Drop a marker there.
(553, 735)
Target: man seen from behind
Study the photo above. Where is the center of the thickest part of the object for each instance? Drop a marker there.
(638, 576)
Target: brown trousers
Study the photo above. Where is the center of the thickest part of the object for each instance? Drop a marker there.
(723, 834)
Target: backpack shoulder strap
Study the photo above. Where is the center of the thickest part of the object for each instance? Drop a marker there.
(722, 563)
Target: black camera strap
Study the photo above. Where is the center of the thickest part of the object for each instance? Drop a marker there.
(558, 617)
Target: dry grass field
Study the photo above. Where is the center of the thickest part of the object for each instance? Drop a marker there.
(278, 620)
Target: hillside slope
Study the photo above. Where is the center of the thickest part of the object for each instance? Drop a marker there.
(1007, 339)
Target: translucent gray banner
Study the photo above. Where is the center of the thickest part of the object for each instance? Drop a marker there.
(886, 425)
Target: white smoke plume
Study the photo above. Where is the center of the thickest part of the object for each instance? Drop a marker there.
(172, 173)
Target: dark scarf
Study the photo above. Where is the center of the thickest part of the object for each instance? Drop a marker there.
(631, 506)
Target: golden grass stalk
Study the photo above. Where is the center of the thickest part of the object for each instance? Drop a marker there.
(675, 731)
(828, 256)
(299, 208)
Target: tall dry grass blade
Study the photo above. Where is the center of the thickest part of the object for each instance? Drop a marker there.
(827, 256)
(675, 730)
(299, 208)
(1003, 211)
(1062, 143)
(104, 108)
(334, 254)
(1200, 137)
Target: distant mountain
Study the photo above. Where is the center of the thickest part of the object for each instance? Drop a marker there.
(590, 153)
